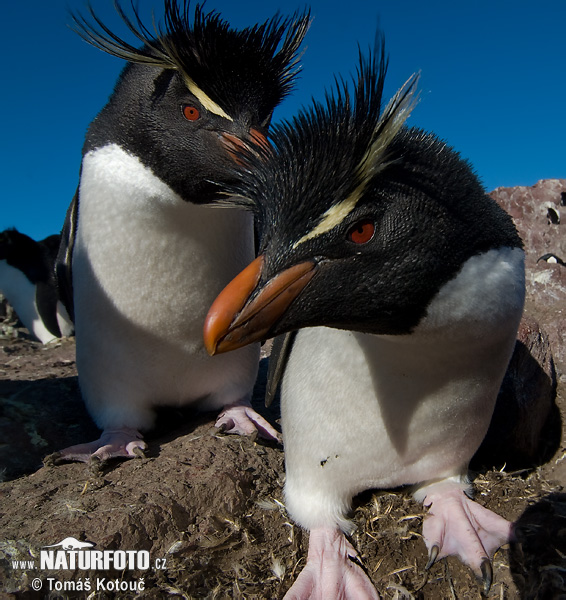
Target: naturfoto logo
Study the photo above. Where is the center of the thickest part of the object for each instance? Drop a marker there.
(73, 554)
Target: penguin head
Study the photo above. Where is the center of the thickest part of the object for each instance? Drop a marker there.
(23, 253)
(194, 92)
(10, 240)
(33, 259)
(361, 220)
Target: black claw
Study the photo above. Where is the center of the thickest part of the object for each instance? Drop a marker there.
(487, 575)
(52, 459)
(432, 556)
(355, 559)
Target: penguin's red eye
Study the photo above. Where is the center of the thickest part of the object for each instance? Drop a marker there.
(362, 232)
(191, 113)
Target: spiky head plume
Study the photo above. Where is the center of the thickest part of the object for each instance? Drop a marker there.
(332, 150)
(225, 68)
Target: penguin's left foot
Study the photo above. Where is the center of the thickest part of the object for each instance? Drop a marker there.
(242, 419)
(456, 525)
(332, 570)
(113, 443)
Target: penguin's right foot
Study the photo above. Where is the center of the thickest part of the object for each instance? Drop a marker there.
(113, 443)
(242, 419)
(332, 570)
(456, 525)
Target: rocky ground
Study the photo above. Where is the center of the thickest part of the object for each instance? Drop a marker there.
(208, 507)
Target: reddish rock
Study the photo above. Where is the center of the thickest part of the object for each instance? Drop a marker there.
(539, 213)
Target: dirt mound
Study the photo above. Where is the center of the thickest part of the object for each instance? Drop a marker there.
(208, 508)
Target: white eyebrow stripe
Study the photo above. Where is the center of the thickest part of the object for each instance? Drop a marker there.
(205, 100)
(374, 160)
(334, 216)
(392, 119)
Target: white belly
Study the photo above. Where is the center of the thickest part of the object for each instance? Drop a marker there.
(363, 411)
(20, 293)
(146, 267)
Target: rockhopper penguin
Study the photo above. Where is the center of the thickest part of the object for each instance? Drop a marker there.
(147, 244)
(405, 282)
(27, 279)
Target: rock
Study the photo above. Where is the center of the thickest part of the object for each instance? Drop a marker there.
(10, 324)
(539, 213)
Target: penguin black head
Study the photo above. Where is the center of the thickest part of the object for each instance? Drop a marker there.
(34, 259)
(361, 220)
(196, 90)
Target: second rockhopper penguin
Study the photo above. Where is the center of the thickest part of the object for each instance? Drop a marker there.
(405, 282)
(146, 247)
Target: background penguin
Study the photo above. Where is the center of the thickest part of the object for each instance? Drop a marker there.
(405, 282)
(27, 280)
(144, 252)
(552, 259)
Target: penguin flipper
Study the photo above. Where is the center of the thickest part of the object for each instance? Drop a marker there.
(280, 351)
(47, 293)
(63, 263)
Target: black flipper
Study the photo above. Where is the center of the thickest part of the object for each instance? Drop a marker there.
(277, 362)
(46, 294)
(63, 265)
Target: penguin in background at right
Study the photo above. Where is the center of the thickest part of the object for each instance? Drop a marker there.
(404, 284)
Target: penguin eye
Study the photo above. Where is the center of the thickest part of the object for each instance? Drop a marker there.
(191, 113)
(362, 232)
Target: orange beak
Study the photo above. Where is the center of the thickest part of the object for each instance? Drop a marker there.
(238, 316)
(234, 144)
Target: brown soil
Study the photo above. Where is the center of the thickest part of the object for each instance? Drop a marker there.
(208, 507)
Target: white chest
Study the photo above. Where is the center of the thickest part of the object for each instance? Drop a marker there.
(146, 267)
(20, 292)
(362, 411)
(146, 251)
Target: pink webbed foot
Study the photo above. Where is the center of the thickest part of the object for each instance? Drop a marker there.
(113, 443)
(331, 572)
(456, 525)
(242, 419)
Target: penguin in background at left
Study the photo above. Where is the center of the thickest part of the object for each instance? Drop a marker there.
(149, 241)
(27, 280)
(402, 283)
